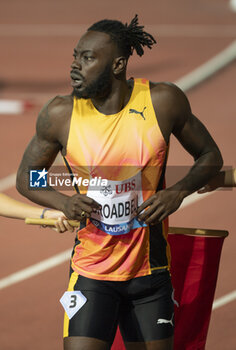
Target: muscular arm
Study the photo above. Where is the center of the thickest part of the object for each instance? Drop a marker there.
(195, 138)
(49, 139)
(40, 153)
(174, 116)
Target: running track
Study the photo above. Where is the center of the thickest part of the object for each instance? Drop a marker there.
(37, 41)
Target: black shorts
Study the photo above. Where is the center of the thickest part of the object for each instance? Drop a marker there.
(142, 307)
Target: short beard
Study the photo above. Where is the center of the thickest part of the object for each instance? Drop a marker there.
(98, 88)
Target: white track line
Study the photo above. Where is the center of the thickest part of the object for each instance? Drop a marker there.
(209, 68)
(193, 198)
(35, 269)
(224, 300)
(187, 82)
(13, 107)
(232, 5)
(165, 30)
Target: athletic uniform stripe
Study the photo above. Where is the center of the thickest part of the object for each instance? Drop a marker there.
(73, 279)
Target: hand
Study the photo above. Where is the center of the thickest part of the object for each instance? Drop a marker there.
(160, 205)
(80, 207)
(62, 224)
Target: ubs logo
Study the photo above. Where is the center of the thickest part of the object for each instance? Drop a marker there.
(125, 187)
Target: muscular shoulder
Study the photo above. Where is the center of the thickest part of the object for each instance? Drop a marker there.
(171, 106)
(170, 97)
(53, 117)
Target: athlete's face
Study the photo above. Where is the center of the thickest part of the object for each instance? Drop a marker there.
(91, 74)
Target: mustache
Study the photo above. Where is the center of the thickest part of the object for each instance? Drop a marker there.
(76, 75)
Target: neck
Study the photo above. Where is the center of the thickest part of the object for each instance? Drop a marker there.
(116, 99)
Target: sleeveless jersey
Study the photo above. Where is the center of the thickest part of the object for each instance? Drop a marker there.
(122, 157)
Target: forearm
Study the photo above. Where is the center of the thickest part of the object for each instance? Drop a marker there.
(15, 209)
(12, 208)
(204, 168)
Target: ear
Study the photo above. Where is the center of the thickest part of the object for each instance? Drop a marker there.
(119, 65)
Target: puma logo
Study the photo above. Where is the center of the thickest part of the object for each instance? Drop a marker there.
(131, 110)
(163, 320)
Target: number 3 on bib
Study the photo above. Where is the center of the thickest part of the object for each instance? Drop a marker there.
(73, 299)
(72, 302)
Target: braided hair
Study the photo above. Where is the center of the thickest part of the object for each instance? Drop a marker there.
(127, 37)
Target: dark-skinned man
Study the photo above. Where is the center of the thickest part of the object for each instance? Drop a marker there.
(119, 130)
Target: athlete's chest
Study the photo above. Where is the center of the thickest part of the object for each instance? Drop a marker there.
(131, 137)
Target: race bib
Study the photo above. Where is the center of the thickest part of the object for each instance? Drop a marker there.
(119, 201)
(72, 302)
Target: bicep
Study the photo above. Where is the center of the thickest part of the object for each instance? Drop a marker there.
(194, 137)
(44, 146)
(40, 153)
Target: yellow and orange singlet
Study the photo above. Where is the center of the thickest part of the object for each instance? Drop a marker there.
(129, 151)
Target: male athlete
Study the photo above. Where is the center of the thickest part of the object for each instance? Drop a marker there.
(119, 130)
